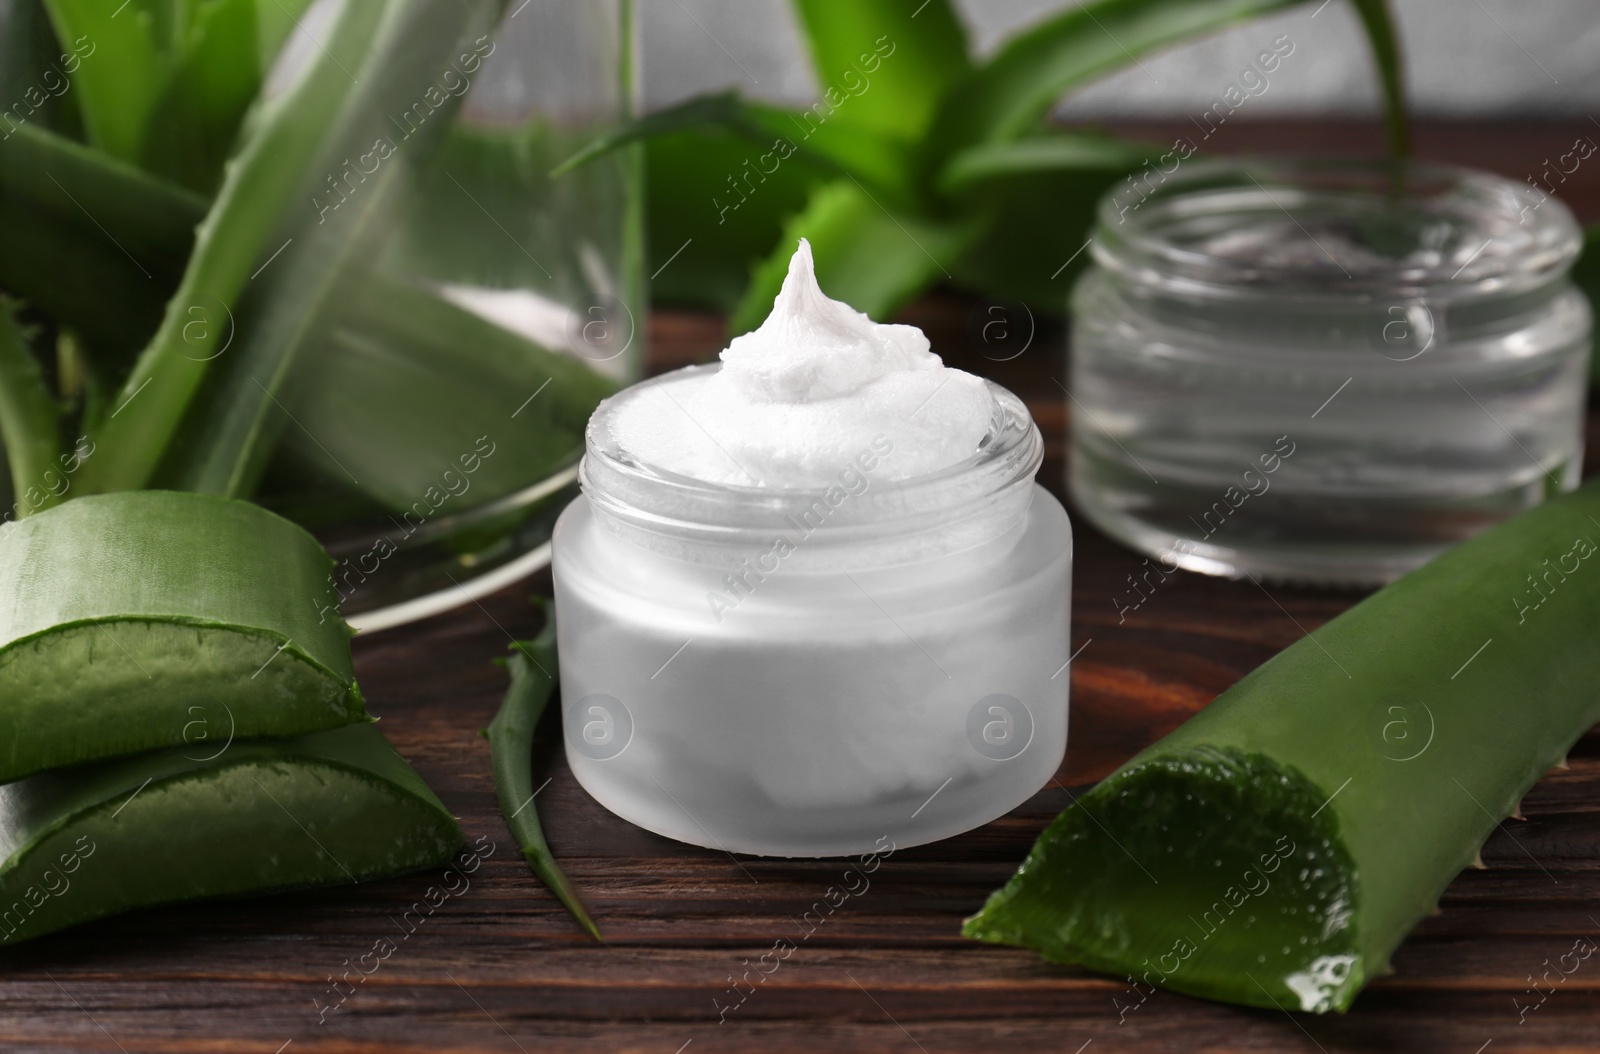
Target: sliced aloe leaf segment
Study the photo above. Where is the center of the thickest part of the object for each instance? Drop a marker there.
(324, 809)
(125, 613)
(1276, 848)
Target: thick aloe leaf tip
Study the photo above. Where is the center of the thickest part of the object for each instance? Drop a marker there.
(1215, 872)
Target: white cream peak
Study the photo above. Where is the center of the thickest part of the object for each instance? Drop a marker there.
(801, 397)
(812, 347)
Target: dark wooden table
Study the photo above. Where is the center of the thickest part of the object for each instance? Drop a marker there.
(499, 968)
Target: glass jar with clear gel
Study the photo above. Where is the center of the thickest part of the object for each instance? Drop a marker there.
(1324, 371)
(810, 671)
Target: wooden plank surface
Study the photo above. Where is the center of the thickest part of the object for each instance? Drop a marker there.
(499, 968)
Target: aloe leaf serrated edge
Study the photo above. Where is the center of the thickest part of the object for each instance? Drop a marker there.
(1382, 750)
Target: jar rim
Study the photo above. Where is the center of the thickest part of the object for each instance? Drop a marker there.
(1189, 232)
(629, 489)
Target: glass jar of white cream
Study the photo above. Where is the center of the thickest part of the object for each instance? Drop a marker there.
(796, 616)
(1324, 371)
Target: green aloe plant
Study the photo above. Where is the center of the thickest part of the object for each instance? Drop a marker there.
(192, 245)
(144, 205)
(1276, 848)
(921, 163)
(148, 177)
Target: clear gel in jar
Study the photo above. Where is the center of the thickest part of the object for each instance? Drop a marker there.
(1324, 371)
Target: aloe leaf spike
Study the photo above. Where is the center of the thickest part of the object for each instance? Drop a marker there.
(532, 665)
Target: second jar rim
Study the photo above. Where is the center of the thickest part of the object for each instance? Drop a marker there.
(1346, 229)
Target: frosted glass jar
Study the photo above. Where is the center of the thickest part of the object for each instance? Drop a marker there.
(1324, 371)
(814, 673)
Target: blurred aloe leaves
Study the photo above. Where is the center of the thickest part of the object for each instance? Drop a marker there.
(210, 240)
(163, 84)
(271, 170)
(1385, 43)
(919, 163)
(497, 394)
(97, 243)
(343, 201)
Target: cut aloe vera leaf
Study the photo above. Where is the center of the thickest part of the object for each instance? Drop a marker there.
(126, 614)
(1276, 849)
(324, 809)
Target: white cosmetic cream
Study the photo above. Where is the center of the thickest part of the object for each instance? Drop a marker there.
(811, 602)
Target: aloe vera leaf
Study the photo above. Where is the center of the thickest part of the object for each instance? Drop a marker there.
(254, 816)
(260, 180)
(1055, 152)
(76, 278)
(1037, 198)
(119, 70)
(1378, 21)
(215, 71)
(124, 611)
(240, 418)
(241, 415)
(60, 188)
(276, 21)
(29, 421)
(532, 666)
(93, 242)
(874, 259)
(882, 163)
(1033, 242)
(148, 216)
(212, 74)
(685, 199)
(888, 62)
(30, 59)
(418, 403)
(176, 79)
(774, 135)
(719, 110)
(1276, 848)
(1008, 95)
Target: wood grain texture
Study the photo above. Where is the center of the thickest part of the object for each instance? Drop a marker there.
(499, 968)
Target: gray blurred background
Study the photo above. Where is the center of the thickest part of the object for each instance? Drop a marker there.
(1466, 58)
